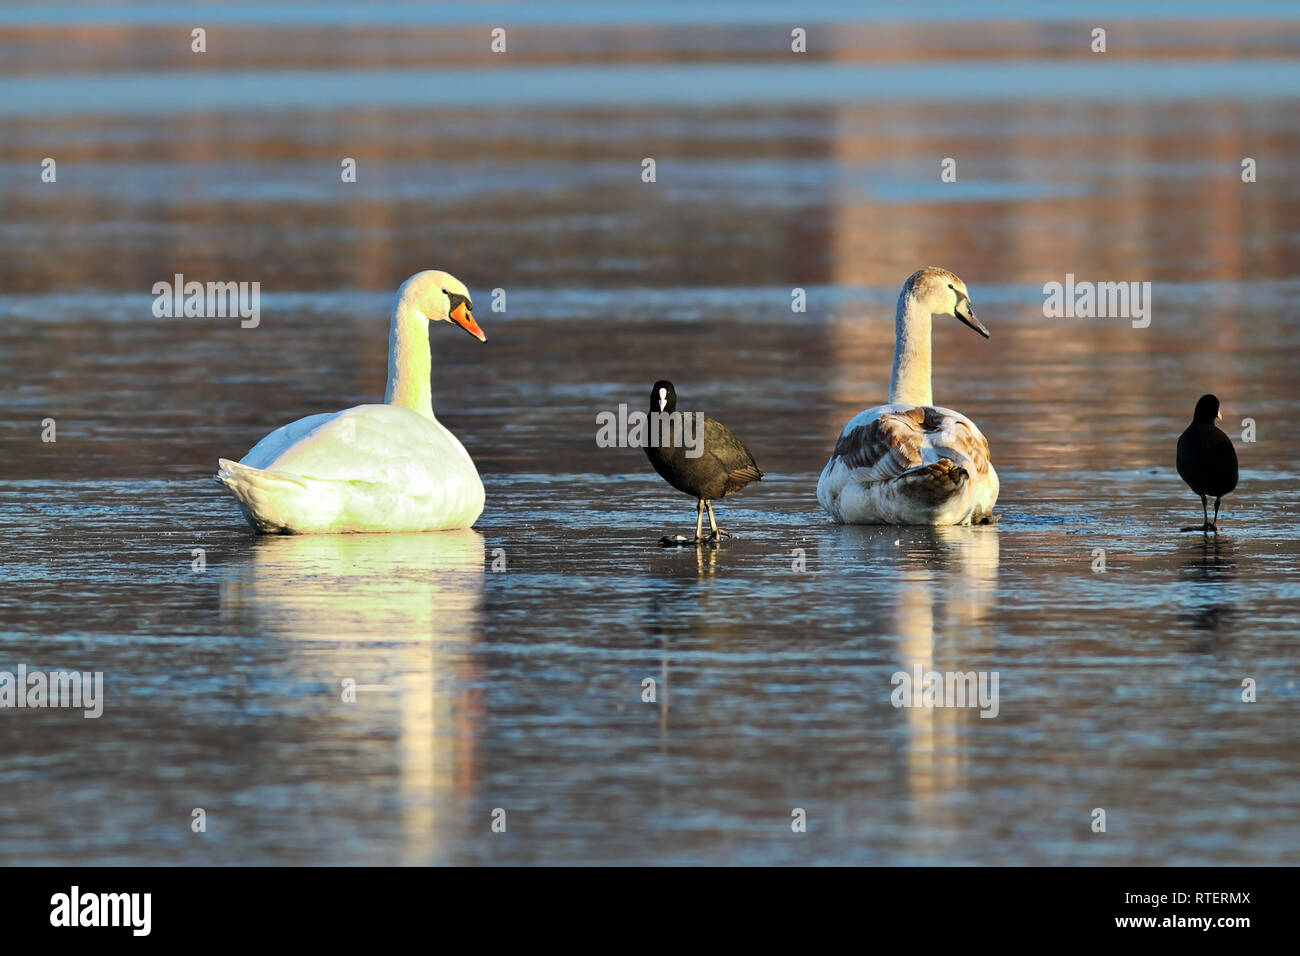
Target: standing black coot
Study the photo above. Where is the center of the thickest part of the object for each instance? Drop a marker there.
(1206, 459)
(725, 464)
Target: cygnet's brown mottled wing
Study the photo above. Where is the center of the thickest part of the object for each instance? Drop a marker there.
(884, 443)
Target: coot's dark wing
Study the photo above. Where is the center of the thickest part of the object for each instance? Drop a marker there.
(1207, 461)
(731, 454)
(1222, 463)
(1188, 468)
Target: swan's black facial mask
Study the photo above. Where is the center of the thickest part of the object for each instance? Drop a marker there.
(461, 311)
(966, 313)
(455, 299)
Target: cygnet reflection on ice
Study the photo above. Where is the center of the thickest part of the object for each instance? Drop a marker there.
(937, 600)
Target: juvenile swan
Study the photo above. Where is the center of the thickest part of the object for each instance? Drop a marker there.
(389, 467)
(910, 462)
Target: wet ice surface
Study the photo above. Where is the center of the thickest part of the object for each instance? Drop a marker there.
(504, 667)
(521, 687)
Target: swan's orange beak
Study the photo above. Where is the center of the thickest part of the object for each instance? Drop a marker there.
(465, 319)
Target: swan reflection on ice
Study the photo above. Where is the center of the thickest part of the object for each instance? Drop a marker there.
(397, 614)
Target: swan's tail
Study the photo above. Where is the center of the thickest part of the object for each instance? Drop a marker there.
(262, 495)
(934, 483)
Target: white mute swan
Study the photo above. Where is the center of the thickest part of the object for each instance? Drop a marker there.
(910, 462)
(389, 467)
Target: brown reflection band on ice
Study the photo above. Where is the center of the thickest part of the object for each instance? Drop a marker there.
(394, 613)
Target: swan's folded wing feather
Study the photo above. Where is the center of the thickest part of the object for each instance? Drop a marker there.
(879, 445)
(367, 443)
(276, 443)
(969, 442)
(884, 443)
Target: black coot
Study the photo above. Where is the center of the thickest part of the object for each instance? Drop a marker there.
(724, 465)
(1206, 459)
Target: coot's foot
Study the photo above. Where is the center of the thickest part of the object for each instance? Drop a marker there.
(1200, 527)
(717, 534)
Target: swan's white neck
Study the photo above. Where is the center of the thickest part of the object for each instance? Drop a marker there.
(910, 382)
(409, 362)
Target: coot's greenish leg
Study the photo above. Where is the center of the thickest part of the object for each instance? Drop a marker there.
(718, 533)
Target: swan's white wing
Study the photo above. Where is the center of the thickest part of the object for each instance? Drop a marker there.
(286, 436)
(366, 443)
